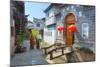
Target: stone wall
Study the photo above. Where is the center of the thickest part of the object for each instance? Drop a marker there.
(83, 14)
(87, 16)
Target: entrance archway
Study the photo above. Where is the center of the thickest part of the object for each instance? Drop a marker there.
(69, 35)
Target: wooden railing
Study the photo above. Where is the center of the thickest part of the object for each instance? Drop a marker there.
(53, 48)
(57, 52)
(46, 49)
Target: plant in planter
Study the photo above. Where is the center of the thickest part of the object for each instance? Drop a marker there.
(19, 41)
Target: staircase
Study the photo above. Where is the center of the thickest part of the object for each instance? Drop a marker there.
(59, 53)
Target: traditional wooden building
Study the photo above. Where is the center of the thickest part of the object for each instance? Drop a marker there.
(78, 22)
(37, 24)
(18, 22)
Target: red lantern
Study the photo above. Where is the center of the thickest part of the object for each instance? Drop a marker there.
(72, 28)
(60, 28)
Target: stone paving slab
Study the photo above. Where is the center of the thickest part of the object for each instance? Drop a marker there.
(32, 57)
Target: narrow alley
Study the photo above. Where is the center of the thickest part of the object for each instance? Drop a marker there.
(30, 57)
(51, 33)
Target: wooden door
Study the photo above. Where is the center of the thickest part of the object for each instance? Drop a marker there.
(70, 20)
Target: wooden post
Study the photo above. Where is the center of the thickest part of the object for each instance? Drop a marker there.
(45, 51)
(68, 57)
(51, 55)
(62, 51)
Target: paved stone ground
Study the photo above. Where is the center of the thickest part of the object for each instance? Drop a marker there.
(31, 57)
(36, 57)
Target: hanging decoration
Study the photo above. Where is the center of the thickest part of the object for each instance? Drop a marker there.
(72, 28)
(60, 28)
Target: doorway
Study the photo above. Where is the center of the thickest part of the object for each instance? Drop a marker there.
(69, 35)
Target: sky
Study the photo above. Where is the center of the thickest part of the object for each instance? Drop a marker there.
(35, 9)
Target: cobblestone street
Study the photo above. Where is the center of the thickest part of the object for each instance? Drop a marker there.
(31, 57)
(37, 57)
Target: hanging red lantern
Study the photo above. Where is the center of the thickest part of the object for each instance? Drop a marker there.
(72, 28)
(60, 28)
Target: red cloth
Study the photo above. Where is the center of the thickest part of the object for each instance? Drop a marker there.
(32, 41)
